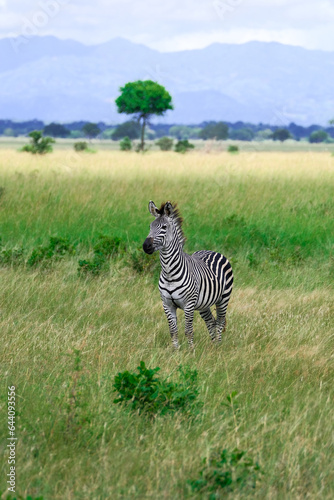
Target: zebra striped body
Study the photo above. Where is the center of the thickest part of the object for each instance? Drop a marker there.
(189, 282)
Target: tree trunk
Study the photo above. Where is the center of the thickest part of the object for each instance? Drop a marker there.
(142, 145)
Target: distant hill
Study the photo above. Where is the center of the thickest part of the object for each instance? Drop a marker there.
(64, 80)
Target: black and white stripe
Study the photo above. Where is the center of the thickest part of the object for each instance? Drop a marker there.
(189, 282)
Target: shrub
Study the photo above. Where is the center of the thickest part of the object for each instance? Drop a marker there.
(233, 148)
(56, 249)
(11, 256)
(38, 144)
(146, 393)
(105, 248)
(125, 144)
(165, 143)
(81, 146)
(143, 263)
(183, 146)
(225, 472)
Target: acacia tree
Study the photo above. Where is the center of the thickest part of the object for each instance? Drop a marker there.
(91, 130)
(143, 99)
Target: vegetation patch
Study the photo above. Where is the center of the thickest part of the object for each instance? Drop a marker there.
(55, 250)
(38, 144)
(105, 248)
(183, 146)
(165, 143)
(146, 393)
(226, 472)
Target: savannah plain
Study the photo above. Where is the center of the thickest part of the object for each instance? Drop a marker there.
(65, 336)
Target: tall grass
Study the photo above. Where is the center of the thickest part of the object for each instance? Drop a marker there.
(66, 337)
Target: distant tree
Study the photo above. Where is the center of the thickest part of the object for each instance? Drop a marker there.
(91, 130)
(262, 135)
(56, 130)
(181, 132)
(242, 134)
(9, 132)
(318, 136)
(107, 133)
(165, 143)
(281, 134)
(129, 129)
(38, 144)
(217, 131)
(76, 134)
(143, 99)
(331, 122)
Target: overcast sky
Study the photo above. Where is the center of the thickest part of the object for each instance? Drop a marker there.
(174, 24)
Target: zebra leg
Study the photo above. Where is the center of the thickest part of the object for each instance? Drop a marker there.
(189, 328)
(172, 323)
(210, 322)
(221, 307)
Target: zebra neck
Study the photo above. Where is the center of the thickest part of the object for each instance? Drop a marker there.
(172, 260)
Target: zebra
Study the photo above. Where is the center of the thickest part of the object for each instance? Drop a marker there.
(188, 282)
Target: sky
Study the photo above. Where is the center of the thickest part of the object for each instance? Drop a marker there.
(176, 24)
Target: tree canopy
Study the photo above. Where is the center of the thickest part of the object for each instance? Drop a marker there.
(217, 131)
(56, 130)
(91, 130)
(281, 134)
(129, 129)
(143, 99)
(318, 136)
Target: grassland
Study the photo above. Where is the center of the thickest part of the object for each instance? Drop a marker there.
(64, 338)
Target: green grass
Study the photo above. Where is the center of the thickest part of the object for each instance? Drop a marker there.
(65, 337)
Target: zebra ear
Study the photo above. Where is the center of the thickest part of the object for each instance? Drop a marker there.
(153, 209)
(168, 209)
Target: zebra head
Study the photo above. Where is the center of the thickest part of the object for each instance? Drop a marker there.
(161, 229)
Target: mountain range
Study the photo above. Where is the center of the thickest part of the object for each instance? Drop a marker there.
(64, 80)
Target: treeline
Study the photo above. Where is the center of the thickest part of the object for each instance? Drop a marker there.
(242, 131)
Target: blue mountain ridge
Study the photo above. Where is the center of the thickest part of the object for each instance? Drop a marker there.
(65, 80)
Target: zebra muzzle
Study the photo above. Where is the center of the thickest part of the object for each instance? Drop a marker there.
(148, 246)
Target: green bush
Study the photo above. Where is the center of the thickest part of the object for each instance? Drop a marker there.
(226, 472)
(183, 146)
(143, 263)
(125, 144)
(165, 143)
(38, 144)
(11, 256)
(146, 393)
(81, 146)
(233, 148)
(105, 248)
(55, 250)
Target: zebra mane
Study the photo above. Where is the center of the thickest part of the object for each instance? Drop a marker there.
(177, 219)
